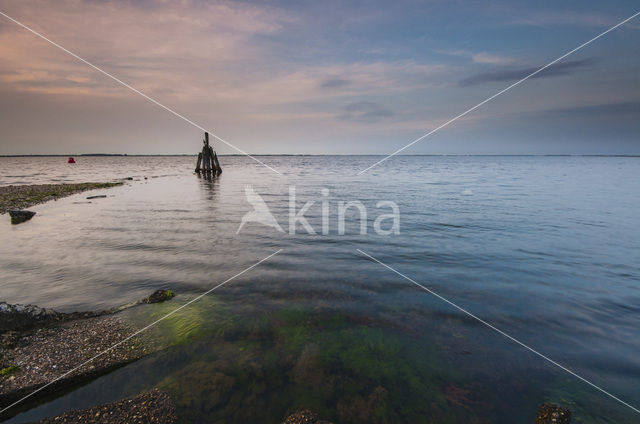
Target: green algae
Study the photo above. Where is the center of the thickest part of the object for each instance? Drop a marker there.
(262, 365)
(5, 372)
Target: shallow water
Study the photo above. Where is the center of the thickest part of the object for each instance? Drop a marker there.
(544, 248)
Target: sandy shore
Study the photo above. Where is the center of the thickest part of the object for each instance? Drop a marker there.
(24, 196)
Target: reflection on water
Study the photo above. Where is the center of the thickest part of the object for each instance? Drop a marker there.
(545, 248)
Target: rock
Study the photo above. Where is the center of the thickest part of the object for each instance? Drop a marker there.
(99, 196)
(158, 296)
(22, 317)
(549, 413)
(305, 417)
(18, 216)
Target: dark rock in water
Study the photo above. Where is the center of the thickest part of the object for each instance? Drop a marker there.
(25, 317)
(22, 317)
(18, 215)
(158, 296)
(154, 407)
(305, 417)
(128, 178)
(549, 413)
(99, 196)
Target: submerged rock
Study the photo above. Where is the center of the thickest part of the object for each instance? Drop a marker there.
(305, 417)
(18, 215)
(549, 413)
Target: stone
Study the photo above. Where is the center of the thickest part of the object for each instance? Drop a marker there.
(158, 296)
(22, 317)
(18, 215)
(549, 413)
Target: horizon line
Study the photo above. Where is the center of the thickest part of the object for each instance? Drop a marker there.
(318, 154)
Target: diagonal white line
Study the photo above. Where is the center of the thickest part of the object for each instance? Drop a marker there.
(499, 331)
(498, 93)
(119, 81)
(140, 331)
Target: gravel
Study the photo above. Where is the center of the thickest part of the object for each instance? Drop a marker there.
(40, 356)
(154, 407)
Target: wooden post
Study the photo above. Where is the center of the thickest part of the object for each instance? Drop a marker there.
(205, 159)
(206, 153)
(199, 162)
(216, 163)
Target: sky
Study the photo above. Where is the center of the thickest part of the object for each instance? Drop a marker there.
(319, 77)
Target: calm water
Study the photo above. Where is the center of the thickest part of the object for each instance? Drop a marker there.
(545, 248)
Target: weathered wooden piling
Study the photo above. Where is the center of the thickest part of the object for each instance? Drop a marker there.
(208, 159)
(199, 162)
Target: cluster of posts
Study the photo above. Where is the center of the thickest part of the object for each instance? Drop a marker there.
(208, 159)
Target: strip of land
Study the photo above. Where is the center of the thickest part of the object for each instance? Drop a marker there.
(154, 407)
(24, 196)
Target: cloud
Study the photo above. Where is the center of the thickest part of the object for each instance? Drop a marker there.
(492, 59)
(364, 112)
(558, 69)
(480, 57)
(617, 111)
(334, 83)
(188, 45)
(564, 18)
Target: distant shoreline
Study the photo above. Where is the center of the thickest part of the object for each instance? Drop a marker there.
(345, 155)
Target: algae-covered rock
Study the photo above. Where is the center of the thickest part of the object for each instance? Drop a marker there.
(158, 296)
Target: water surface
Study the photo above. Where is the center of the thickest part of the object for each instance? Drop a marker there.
(544, 248)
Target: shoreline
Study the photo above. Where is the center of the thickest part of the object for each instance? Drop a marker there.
(47, 351)
(153, 407)
(25, 196)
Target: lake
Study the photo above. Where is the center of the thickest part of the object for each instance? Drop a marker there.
(546, 249)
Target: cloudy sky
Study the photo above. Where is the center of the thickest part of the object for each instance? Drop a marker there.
(320, 77)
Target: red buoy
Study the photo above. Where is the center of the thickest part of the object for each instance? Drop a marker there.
(71, 160)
